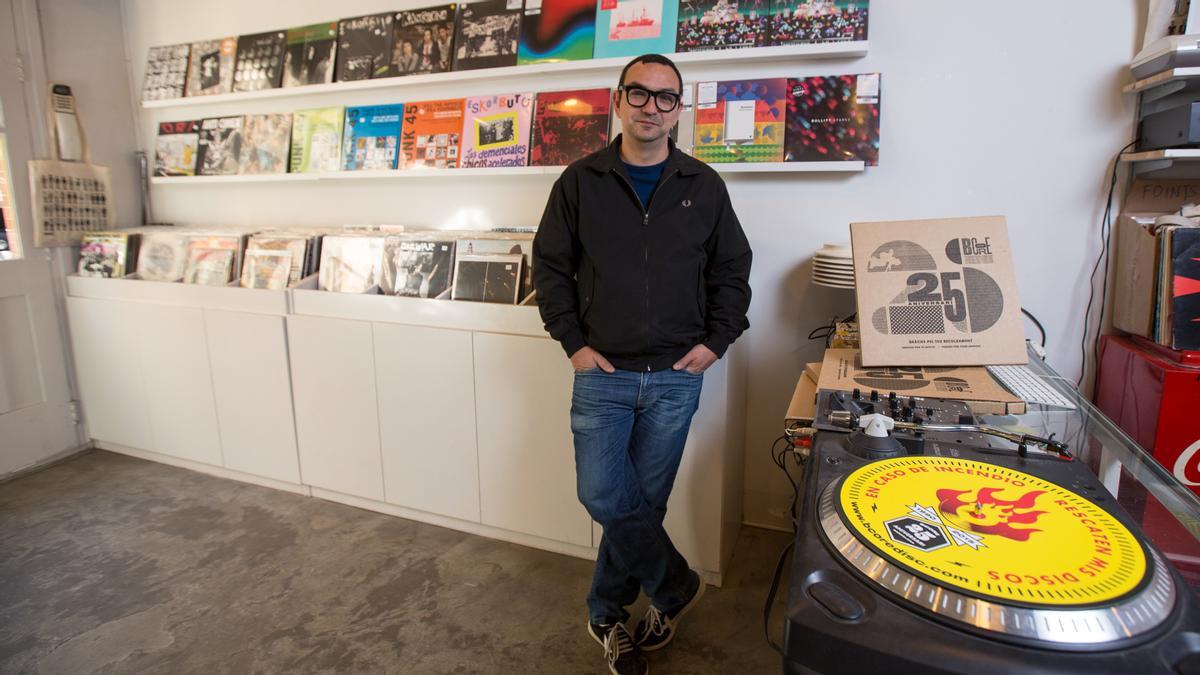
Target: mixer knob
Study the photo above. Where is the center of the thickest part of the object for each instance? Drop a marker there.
(874, 395)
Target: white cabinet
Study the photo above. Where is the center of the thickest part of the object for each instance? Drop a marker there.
(333, 386)
(426, 387)
(526, 455)
(252, 383)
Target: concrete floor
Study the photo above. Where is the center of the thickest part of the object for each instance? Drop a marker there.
(110, 564)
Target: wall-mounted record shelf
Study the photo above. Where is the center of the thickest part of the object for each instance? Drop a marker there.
(1158, 160)
(782, 53)
(761, 167)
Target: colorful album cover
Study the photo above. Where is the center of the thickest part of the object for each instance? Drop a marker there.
(705, 25)
(103, 254)
(557, 30)
(350, 264)
(424, 41)
(569, 125)
(208, 266)
(176, 148)
(310, 54)
(371, 137)
(740, 120)
(635, 27)
(833, 119)
(295, 246)
(487, 34)
(1185, 289)
(162, 256)
(496, 130)
(812, 21)
(417, 268)
(220, 146)
(364, 47)
(432, 133)
(487, 278)
(166, 72)
(264, 268)
(498, 244)
(316, 140)
(266, 141)
(259, 62)
(210, 67)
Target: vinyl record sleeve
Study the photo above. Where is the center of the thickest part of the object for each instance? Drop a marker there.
(705, 25)
(417, 267)
(487, 34)
(176, 148)
(296, 247)
(635, 27)
(259, 62)
(814, 21)
(937, 293)
(364, 48)
(162, 256)
(569, 125)
(103, 254)
(487, 278)
(833, 119)
(310, 55)
(210, 67)
(432, 133)
(557, 30)
(166, 72)
(209, 266)
(371, 137)
(350, 264)
(220, 146)
(267, 269)
(1185, 289)
(424, 41)
(266, 142)
(496, 130)
(498, 244)
(740, 120)
(316, 140)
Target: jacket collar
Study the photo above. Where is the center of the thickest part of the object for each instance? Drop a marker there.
(609, 159)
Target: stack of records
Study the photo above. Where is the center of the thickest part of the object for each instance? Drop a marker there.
(350, 264)
(275, 260)
(107, 254)
(163, 255)
(833, 266)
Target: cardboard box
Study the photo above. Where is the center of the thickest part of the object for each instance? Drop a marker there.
(803, 407)
(1135, 270)
(843, 370)
(937, 293)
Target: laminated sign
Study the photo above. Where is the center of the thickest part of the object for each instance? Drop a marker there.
(937, 293)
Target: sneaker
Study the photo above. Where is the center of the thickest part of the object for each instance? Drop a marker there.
(657, 627)
(619, 650)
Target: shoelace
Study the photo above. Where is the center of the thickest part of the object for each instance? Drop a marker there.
(657, 623)
(617, 642)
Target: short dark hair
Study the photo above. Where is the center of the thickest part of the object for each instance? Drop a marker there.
(652, 58)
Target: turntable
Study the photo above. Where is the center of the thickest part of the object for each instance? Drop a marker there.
(930, 543)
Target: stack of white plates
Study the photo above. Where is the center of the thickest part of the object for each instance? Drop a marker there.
(833, 266)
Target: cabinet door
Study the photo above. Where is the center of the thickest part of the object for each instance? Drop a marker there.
(526, 456)
(179, 392)
(109, 371)
(427, 419)
(333, 385)
(248, 353)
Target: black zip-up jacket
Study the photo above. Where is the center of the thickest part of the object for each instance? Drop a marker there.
(642, 286)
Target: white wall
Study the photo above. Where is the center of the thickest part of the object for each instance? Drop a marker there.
(988, 108)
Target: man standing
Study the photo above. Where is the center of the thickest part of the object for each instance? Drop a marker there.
(641, 270)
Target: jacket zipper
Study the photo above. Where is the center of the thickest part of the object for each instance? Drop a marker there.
(646, 246)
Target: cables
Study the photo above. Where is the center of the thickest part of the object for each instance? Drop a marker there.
(1036, 323)
(1102, 258)
(780, 455)
(827, 331)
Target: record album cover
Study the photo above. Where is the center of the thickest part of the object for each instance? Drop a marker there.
(104, 254)
(176, 148)
(371, 137)
(166, 72)
(418, 268)
(557, 30)
(210, 67)
(364, 48)
(220, 146)
(496, 130)
(309, 57)
(500, 244)
(316, 140)
(208, 266)
(295, 246)
(487, 278)
(635, 27)
(740, 120)
(259, 61)
(814, 21)
(1185, 289)
(569, 125)
(937, 293)
(487, 34)
(424, 41)
(432, 133)
(265, 268)
(706, 25)
(266, 141)
(833, 119)
(162, 256)
(350, 264)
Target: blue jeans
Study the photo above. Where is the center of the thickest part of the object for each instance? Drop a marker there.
(630, 429)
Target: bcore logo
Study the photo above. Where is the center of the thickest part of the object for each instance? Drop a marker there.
(1182, 462)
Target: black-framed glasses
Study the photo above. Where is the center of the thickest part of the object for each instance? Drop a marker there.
(665, 100)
